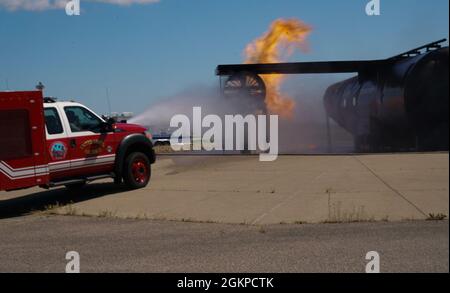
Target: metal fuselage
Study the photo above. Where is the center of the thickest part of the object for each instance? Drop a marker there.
(403, 105)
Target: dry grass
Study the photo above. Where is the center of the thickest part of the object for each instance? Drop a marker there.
(356, 215)
(163, 149)
(436, 217)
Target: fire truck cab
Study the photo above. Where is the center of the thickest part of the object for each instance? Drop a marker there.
(47, 143)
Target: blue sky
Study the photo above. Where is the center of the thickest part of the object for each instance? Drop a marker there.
(144, 53)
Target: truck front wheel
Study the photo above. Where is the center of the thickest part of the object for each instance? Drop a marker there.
(137, 170)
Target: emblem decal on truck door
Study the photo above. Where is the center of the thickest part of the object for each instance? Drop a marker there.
(58, 151)
(92, 147)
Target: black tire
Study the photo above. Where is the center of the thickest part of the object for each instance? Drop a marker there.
(137, 171)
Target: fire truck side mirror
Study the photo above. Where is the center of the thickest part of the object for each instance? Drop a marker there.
(111, 121)
(108, 125)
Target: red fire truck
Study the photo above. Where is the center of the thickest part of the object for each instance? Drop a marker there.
(47, 143)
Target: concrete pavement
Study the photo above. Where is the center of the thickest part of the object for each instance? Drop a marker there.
(293, 189)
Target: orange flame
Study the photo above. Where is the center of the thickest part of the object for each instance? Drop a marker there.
(283, 37)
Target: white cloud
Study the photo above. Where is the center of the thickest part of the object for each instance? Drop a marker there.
(32, 5)
(40, 5)
(126, 2)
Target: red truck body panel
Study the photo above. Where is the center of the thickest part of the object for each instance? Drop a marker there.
(23, 155)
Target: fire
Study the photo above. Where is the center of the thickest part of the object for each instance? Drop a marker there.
(276, 45)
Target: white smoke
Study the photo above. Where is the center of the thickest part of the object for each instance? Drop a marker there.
(41, 5)
(305, 133)
(157, 117)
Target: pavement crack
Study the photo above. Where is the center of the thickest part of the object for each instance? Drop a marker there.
(390, 187)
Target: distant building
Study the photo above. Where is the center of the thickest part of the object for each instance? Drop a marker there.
(122, 117)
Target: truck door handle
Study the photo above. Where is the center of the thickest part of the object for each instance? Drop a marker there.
(73, 143)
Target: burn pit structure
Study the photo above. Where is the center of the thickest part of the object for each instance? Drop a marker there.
(395, 104)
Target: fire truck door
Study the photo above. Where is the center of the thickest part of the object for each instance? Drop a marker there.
(92, 150)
